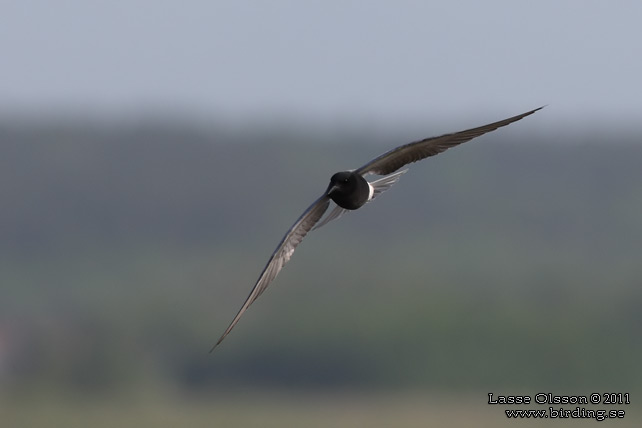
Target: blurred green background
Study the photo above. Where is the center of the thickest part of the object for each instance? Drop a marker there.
(508, 265)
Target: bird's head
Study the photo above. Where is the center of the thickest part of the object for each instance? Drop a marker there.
(349, 190)
(342, 183)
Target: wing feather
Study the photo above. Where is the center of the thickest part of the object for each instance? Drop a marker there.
(396, 158)
(282, 255)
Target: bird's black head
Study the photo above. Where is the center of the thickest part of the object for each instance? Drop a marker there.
(341, 181)
(348, 189)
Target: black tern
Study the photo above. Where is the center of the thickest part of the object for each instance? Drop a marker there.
(349, 190)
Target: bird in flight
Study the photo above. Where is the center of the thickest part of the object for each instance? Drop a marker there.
(349, 190)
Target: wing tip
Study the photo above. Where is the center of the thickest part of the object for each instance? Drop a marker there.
(218, 343)
(214, 347)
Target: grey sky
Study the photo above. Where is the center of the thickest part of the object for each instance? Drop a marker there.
(332, 59)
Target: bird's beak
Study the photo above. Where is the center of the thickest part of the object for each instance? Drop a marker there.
(332, 189)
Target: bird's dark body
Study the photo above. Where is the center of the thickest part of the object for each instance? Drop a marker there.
(349, 190)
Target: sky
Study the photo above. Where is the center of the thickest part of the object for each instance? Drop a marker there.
(331, 60)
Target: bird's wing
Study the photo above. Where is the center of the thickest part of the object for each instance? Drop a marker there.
(281, 255)
(413, 152)
(334, 214)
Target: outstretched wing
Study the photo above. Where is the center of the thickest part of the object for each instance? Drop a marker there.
(334, 214)
(281, 255)
(413, 152)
